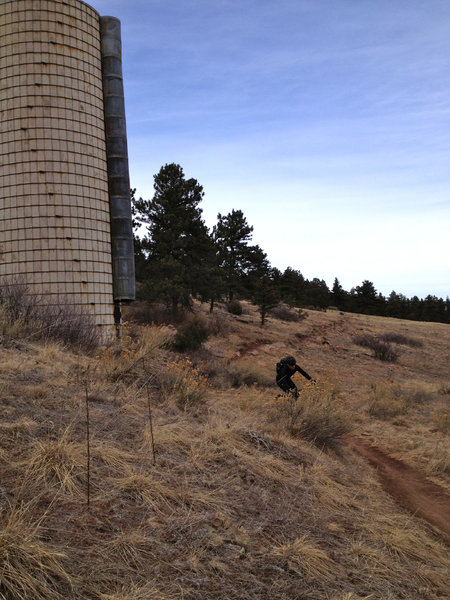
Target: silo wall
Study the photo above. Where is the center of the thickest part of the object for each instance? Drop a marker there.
(54, 206)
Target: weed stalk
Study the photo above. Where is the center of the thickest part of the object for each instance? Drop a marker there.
(88, 448)
(150, 420)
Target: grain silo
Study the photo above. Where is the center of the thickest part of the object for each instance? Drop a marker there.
(65, 219)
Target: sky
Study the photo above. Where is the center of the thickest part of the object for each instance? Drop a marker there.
(327, 122)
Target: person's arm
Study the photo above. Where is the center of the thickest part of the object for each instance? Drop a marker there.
(302, 372)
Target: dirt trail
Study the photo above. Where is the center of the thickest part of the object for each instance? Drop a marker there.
(408, 486)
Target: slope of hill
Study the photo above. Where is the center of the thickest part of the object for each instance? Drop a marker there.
(137, 473)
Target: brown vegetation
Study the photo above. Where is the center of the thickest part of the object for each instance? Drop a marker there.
(248, 495)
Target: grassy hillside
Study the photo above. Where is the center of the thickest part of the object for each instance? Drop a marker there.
(202, 483)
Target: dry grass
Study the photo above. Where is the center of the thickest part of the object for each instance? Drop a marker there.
(351, 596)
(12, 432)
(182, 383)
(122, 359)
(386, 401)
(303, 557)
(58, 464)
(233, 505)
(318, 414)
(246, 372)
(146, 591)
(116, 460)
(163, 497)
(133, 549)
(11, 328)
(442, 421)
(30, 568)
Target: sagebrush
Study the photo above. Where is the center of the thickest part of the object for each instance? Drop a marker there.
(317, 414)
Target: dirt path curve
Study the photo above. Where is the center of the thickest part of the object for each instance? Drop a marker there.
(407, 485)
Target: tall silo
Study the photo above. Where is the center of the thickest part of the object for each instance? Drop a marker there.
(65, 219)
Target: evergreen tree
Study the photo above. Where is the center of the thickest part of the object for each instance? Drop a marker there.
(433, 309)
(415, 309)
(264, 296)
(177, 240)
(317, 293)
(338, 295)
(396, 305)
(231, 236)
(211, 286)
(257, 266)
(366, 300)
(178, 259)
(292, 287)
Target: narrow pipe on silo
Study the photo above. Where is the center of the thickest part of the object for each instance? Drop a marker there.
(117, 159)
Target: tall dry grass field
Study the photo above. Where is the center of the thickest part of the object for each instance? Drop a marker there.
(203, 483)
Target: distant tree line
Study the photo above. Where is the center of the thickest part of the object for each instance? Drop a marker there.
(179, 258)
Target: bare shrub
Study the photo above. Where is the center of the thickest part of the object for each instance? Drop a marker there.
(11, 327)
(384, 351)
(317, 415)
(302, 314)
(218, 324)
(247, 373)
(17, 309)
(386, 401)
(223, 376)
(191, 335)
(235, 307)
(68, 324)
(442, 421)
(285, 313)
(184, 384)
(152, 313)
(365, 340)
(212, 368)
(27, 315)
(381, 350)
(398, 338)
(17, 300)
(420, 397)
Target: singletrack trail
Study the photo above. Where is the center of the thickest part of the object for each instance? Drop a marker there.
(407, 485)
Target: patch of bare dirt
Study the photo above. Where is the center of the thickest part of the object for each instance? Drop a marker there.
(252, 346)
(407, 485)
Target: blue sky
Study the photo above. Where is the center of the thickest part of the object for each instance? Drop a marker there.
(326, 121)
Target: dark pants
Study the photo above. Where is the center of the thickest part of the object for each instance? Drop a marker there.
(287, 385)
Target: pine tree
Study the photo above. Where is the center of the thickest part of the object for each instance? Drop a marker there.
(231, 236)
(317, 293)
(366, 299)
(177, 240)
(264, 296)
(338, 294)
(292, 287)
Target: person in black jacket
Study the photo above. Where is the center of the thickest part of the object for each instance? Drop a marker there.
(285, 369)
